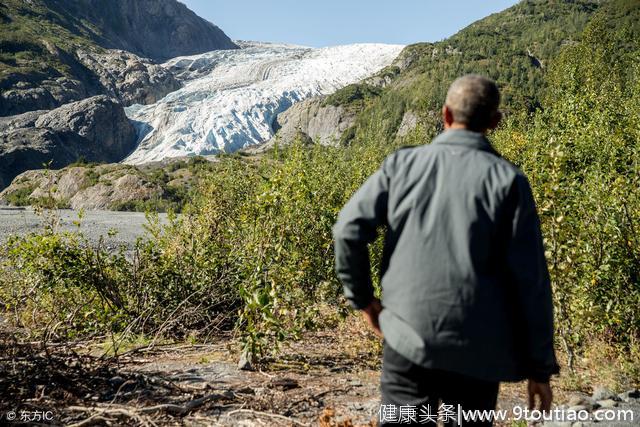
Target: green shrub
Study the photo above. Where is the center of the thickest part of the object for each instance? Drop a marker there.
(59, 284)
(20, 197)
(351, 94)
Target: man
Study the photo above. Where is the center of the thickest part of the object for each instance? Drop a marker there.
(466, 292)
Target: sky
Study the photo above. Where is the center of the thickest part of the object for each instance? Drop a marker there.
(321, 23)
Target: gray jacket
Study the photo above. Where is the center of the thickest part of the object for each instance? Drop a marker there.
(464, 279)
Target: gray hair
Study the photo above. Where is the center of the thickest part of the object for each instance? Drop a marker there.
(473, 101)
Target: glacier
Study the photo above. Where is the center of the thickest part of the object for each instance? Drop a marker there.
(230, 98)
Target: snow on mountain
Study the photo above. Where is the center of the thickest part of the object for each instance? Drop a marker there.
(231, 97)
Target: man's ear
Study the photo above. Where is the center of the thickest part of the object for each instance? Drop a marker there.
(496, 120)
(447, 117)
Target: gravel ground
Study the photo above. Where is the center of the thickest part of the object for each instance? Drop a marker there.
(129, 225)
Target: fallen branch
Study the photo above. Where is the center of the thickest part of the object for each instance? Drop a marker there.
(163, 347)
(318, 395)
(183, 409)
(105, 411)
(266, 414)
(92, 420)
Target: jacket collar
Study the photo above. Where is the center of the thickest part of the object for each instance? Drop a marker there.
(464, 137)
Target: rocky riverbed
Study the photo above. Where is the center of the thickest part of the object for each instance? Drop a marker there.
(602, 408)
(117, 228)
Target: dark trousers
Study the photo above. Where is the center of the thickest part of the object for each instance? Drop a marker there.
(414, 395)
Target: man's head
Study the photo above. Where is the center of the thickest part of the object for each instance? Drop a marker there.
(472, 103)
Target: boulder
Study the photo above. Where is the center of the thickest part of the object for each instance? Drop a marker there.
(322, 124)
(603, 393)
(99, 121)
(95, 129)
(108, 194)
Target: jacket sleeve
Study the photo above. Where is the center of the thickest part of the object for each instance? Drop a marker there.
(354, 230)
(528, 268)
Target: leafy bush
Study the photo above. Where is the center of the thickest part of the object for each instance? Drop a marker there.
(354, 93)
(20, 197)
(59, 284)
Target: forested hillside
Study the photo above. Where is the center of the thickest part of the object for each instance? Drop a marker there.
(514, 47)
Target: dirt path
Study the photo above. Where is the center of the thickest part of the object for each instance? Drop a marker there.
(329, 378)
(293, 391)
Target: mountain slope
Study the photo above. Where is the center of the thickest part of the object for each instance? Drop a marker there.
(232, 97)
(156, 29)
(57, 51)
(514, 47)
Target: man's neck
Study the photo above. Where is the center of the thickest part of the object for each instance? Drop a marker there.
(455, 125)
(460, 126)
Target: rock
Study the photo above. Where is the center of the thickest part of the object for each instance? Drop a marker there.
(40, 94)
(602, 393)
(61, 187)
(128, 77)
(245, 390)
(580, 400)
(71, 181)
(156, 29)
(323, 124)
(24, 120)
(32, 148)
(99, 121)
(115, 192)
(630, 396)
(578, 408)
(187, 376)
(95, 129)
(246, 362)
(607, 403)
(69, 53)
(114, 186)
(28, 90)
(116, 381)
(409, 123)
(115, 73)
(283, 383)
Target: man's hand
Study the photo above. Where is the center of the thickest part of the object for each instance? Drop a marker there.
(543, 391)
(371, 313)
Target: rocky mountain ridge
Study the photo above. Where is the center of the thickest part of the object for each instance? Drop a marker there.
(78, 187)
(156, 29)
(57, 51)
(325, 119)
(129, 78)
(67, 68)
